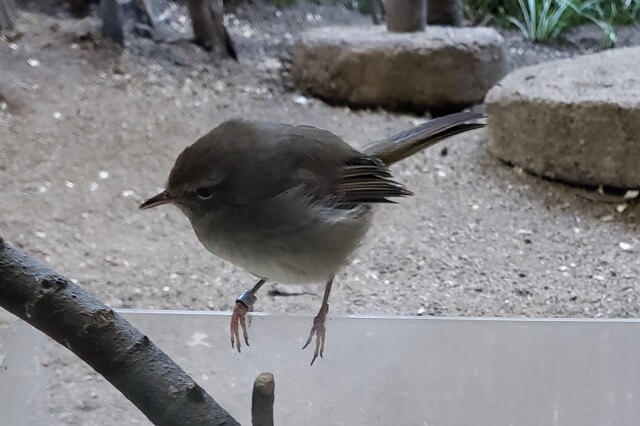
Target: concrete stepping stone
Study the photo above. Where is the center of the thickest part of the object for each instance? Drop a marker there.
(440, 69)
(575, 120)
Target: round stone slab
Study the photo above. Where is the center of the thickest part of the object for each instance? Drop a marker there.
(575, 120)
(442, 68)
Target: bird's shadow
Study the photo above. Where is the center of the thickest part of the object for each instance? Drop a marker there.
(591, 204)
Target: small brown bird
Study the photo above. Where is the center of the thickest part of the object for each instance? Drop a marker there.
(290, 203)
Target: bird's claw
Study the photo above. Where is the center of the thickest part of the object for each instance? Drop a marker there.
(319, 330)
(239, 316)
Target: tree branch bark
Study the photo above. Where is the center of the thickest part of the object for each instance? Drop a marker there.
(405, 16)
(104, 340)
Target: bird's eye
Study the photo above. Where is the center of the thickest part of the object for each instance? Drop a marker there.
(204, 193)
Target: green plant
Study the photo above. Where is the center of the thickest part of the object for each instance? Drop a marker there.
(484, 11)
(632, 10)
(545, 20)
(542, 21)
(594, 11)
(621, 12)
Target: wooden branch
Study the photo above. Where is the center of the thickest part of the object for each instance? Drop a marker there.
(104, 340)
(262, 400)
(208, 27)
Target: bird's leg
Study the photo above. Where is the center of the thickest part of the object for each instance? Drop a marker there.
(244, 303)
(318, 323)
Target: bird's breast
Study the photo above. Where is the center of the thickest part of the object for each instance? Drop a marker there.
(288, 247)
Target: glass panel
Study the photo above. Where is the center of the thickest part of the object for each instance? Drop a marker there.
(376, 371)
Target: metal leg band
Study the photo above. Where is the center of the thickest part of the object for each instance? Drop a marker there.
(247, 298)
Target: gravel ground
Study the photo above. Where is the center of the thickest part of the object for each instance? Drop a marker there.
(89, 131)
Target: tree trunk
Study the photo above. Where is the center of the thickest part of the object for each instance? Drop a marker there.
(444, 12)
(404, 16)
(208, 27)
(378, 11)
(106, 341)
(113, 16)
(7, 15)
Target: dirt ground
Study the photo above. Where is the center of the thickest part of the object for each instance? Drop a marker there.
(92, 130)
(89, 130)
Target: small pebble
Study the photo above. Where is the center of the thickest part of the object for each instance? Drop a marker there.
(301, 100)
(218, 86)
(625, 246)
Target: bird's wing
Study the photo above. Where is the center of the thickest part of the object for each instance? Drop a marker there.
(333, 172)
(270, 159)
(365, 179)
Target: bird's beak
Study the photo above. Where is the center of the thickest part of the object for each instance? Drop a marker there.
(162, 198)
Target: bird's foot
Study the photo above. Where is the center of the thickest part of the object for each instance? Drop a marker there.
(319, 330)
(244, 303)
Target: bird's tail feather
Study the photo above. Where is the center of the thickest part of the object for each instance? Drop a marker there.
(406, 143)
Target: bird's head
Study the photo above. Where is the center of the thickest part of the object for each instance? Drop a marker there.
(195, 181)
